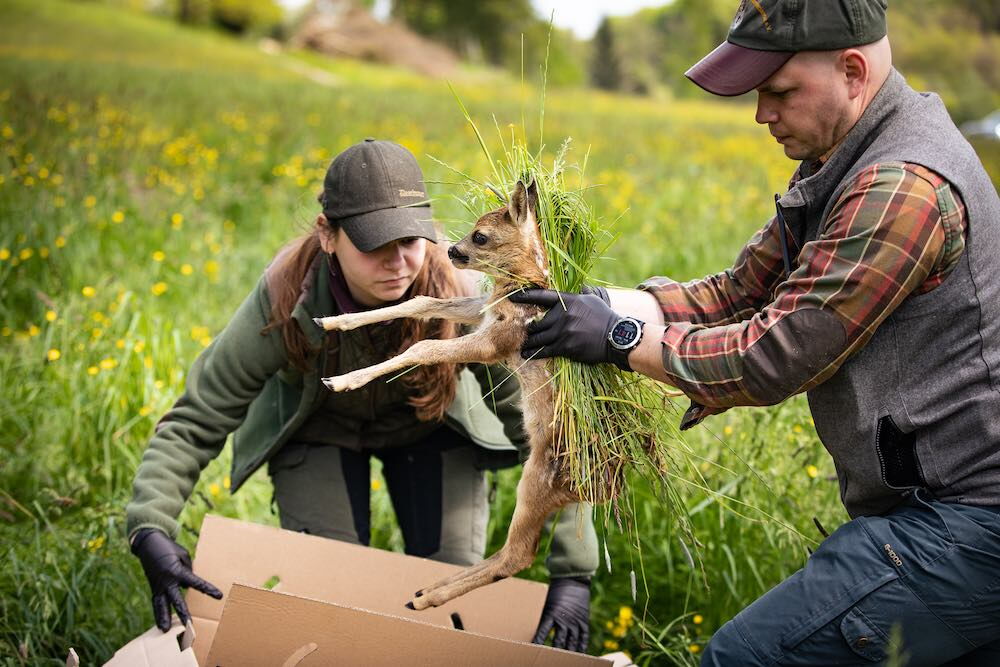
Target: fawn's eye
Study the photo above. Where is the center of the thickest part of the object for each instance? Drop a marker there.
(479, 238)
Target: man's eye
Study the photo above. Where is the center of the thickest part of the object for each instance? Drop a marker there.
(410, 240)
(479, 238)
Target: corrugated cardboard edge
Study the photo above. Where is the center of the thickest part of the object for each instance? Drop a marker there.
(155, 648)
(267, 627)
(232, 551)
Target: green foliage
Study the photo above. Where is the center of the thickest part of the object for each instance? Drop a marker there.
(238, 16)
(505, 33)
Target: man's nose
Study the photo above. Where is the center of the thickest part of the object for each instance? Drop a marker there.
(765, 114)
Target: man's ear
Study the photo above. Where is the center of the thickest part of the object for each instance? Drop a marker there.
(856, 70)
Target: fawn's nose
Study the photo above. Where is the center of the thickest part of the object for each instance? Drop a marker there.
(455, 256)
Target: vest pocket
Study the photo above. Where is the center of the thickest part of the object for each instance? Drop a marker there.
(897, 455)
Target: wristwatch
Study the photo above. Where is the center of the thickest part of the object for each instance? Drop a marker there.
(623, 337)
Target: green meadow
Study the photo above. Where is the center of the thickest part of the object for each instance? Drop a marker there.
(149, 172)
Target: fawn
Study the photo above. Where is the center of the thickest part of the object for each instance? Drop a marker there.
(505, 243)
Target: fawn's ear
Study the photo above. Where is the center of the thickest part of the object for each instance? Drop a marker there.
(523, 202)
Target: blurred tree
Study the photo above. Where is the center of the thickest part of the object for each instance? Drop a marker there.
(239, 16)
(605, 70)
(496, 32)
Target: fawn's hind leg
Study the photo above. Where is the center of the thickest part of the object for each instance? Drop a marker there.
(466, 310)
(475, 347)
(537, 498)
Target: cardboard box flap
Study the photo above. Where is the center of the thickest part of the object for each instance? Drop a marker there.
(154, 648)
(231, 551)
(268, 628)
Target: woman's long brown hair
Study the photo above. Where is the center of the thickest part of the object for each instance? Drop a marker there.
(433, 387)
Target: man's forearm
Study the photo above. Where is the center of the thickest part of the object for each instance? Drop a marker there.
(636, 303)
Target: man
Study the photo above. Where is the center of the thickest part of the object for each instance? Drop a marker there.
(876, 290)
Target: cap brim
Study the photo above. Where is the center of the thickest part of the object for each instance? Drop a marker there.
(732, 70)
(376, 228)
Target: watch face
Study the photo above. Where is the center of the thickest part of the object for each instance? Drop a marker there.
(624, 333)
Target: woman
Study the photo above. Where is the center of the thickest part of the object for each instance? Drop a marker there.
(432, 429)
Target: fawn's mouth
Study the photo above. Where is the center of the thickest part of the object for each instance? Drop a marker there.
(456, 257)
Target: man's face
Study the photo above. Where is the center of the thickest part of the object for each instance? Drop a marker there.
(805, 105)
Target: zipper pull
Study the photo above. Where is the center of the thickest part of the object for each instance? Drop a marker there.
(782, 235)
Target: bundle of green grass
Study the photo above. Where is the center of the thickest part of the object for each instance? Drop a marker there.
(608, 421)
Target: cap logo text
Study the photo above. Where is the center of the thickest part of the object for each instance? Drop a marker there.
(411, 193)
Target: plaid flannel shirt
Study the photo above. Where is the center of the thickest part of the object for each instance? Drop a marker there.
(898, 229)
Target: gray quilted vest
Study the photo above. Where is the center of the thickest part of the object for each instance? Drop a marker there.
(919, 405)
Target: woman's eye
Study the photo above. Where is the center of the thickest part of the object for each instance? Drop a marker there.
(479, 238)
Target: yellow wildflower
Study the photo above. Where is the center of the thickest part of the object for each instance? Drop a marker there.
(212, 269)
(43, 252)
(88, 291)
(698, 619)
(92, 370)
(376, 485)
(159, 288)
(53, 355)
(797, 428)
(90, 201)
(6, 331)
(50, 316)
(728, 430)
(186, 269)
(7, 132)
(176, 220)
(145, 410)
(26, 253)
(108, 363)
(97, 316)
(96, 332)
(118, 217)
(33, 330)
(213, 489)
(812, 471)
(158, 384)
(610, 644)
(120, 344)
(60, 242)
(148, 363)
(159, 256)
(28, 181)
(58, 201)
(4, 254)
(198, 333)
(226, 482)
(694, 648)
(205, 341)
(139, 346)
(95, 543)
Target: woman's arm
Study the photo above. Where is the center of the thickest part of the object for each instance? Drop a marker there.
(220, 386)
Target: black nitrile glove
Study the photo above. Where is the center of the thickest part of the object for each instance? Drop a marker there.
(576, 327)
(598, 290)
(567, 609)
(168, 567)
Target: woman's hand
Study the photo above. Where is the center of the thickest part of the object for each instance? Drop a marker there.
(168, 567)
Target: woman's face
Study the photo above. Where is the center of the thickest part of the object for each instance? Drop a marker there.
(382, 275)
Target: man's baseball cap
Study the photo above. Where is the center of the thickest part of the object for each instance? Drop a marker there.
(766, 33)
(375, 192)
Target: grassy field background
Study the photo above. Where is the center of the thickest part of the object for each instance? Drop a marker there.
(148, 174)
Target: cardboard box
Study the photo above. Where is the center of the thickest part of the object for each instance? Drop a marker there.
(296, 599)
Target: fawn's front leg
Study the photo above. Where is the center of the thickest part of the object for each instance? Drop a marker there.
(537, 499)
(473, 348)
(465, 310)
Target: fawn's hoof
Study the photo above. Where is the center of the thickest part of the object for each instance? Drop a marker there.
(336, 383)
(419, 604)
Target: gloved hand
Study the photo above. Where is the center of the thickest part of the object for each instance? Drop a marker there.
(168, 567)
(567, 608)
(576, 327)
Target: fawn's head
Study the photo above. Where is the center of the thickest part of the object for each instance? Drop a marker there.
(505, 243)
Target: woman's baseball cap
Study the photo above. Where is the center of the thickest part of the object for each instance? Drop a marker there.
(765, 34)
(375, 192)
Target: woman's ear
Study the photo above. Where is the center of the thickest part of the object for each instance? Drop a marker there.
(325, 233)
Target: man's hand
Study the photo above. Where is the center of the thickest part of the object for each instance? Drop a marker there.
(576, 326)
(567, 609)
(168, 567)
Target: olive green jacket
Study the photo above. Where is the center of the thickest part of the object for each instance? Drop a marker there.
(242, 383)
